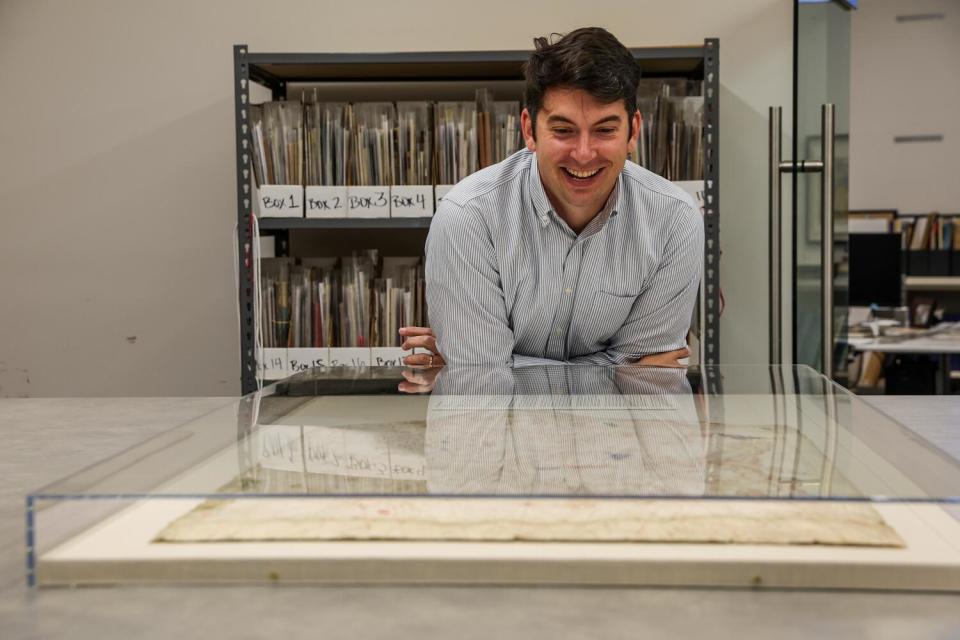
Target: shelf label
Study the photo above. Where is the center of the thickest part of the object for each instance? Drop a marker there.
(440, 192)
(272, 364)
(368, 202)
(408, 201)
(349, 357)
(305, 358)
(341, 451)
(280, 201)
(388, 356)
(326, 202)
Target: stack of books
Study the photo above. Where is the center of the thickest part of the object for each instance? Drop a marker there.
(930, 243)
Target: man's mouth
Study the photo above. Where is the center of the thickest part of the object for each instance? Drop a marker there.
(582, 175)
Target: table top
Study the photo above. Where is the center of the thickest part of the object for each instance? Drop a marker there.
(916, 345)
(49, 438)
(944, 342)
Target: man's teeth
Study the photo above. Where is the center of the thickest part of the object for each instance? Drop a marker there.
(582, 174)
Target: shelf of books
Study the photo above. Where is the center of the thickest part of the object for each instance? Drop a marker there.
(372, 143)
(930, 249)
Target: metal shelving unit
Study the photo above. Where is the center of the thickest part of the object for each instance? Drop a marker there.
(276, 70)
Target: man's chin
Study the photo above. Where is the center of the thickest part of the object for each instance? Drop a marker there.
(588, 197)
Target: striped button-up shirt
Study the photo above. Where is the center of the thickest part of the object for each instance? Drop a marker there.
(509, 283)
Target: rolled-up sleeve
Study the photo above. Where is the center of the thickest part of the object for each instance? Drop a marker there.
(465, 299)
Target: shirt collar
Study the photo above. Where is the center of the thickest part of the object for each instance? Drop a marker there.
(541, 204)
(543, 209)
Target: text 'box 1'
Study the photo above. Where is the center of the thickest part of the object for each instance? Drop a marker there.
(280, 201)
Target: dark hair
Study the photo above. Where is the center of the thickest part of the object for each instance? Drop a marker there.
(591, 59)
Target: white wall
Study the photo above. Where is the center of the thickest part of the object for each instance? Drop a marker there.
(117, 165)
(905, 81)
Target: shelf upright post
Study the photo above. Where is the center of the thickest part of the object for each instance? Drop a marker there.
(710, 333)
(241, 92)
(711, 170)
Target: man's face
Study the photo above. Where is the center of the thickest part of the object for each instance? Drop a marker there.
(581, 146)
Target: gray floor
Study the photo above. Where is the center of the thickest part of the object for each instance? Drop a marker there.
(45, 439)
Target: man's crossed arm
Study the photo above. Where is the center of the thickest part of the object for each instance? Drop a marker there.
(468, 310)
(423, 338)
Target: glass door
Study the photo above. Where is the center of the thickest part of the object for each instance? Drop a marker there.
(820, 154)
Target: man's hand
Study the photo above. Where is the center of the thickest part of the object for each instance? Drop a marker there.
(421, 338)
(418, 380)
(666, 359)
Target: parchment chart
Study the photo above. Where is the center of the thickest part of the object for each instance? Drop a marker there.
(493, 519)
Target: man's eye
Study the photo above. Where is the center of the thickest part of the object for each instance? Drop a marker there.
(562, 131)
(606, 131)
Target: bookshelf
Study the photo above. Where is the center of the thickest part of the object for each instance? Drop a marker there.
(281, 72)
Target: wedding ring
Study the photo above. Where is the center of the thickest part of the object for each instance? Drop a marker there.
(431, 360)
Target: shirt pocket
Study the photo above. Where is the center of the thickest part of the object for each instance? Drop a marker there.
(610, 311)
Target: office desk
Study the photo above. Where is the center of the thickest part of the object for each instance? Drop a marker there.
(942, 345)
(48, 438)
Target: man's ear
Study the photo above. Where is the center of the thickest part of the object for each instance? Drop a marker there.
(636, 122)
(526, 127)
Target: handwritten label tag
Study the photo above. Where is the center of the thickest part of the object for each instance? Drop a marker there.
(280, 201)
(411, 201)
(349, 357)
(326, 202)
(367, 454)
(279, 447)
(272, 364)
(339, 451)
(304, 358)
(368, 202)
(440, 191)
(388, 356)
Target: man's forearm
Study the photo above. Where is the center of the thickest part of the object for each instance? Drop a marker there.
(612, 357)
(532, 361)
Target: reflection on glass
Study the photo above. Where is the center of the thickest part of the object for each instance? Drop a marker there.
(823, 76)
(582, 431)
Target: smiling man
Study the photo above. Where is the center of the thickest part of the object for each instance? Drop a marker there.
(565, 251)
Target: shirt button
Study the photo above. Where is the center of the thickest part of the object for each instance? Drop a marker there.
(558, 332)
(568, 290)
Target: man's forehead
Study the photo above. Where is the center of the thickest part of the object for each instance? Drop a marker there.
(570, 102)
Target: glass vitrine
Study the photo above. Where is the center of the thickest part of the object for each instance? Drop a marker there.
(721, 476)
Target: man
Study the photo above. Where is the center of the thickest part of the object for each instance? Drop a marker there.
(564, 252)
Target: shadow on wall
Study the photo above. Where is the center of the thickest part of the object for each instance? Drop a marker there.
(743, 230)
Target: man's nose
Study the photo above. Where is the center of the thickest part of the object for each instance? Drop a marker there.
(583, 151)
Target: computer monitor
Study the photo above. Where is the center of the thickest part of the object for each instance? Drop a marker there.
(874, 269)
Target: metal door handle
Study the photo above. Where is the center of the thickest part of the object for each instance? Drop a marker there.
(776, 167)
(775, 254)
(827, 113)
